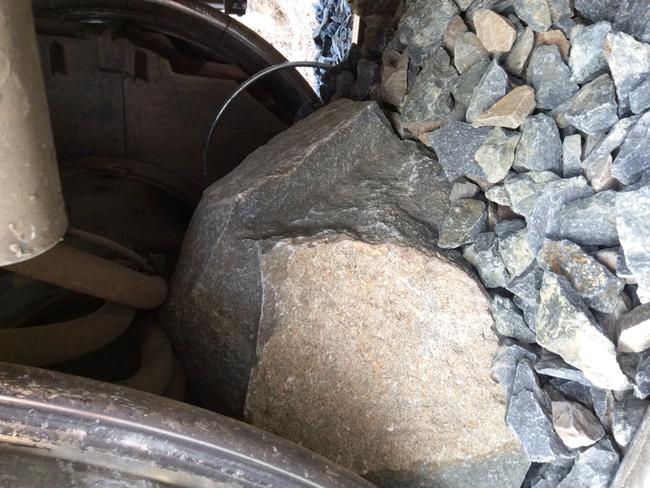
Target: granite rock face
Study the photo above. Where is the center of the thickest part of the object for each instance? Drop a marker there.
(279, 298)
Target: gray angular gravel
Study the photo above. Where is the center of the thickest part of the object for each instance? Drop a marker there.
(634, 156)
(484, 255)
(629, 64)
(544, 219)
(554, 366)
(463, 88)
(536, 13)
(545, 475)
(562, 15)
(642, 377)
(587, 59)
(550, 77)
(640, 97)
(525, 287)
(524, 188)
(491, 87)
(498, 195)
(572, 156)
(497, 153)
(603, 405)
(594, 468)
(590, 221)
(425, 21)
(507, 227)
(540, 146)
(514, 250)
(517, 58)
(566, 327)
(455, 144)
(633, 17)
(626, 418)
(572, 390)
(529, 416)
(576, 425)
(430, 96)
(463, 189)
(463, 223)
(468, 51)
(508, 320)
(633, 225)
(635, 330)
(593, 109)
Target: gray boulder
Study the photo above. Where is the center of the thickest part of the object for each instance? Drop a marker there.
(424, 22)
(633, 17)
(429, 98)
(593, 109)
(594, 468)
(550, 77)
(540, 147)
(590, 221)
(629, 64)
(634, 156)
(587, 59)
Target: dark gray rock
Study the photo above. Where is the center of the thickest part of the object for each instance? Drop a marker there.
(517, 58)
(429, 98)
(525, 287)
(463, 87)
(641, 376)
(550, 77)
(497, 153)
(640, 97)
(529, 416)
(590, 221)
(211, 317)
(572, 390)
(540, 147)
(509, 321)
(566, 327)
(587, 59)
(626, 418)
(491, 87)
(633, 17)
(543, 475)
(425, 21)
(593, 109)
(629, 64)
(634, 156)
(572, 156)
(603, 405)
(544, 219)
(455, 144)
(524, 188)
(468, 51)
(463, 189)
(575, 424)
(554, 366)
(536, 13)
(594, 468)
(596, 10)
(597, 286)
(484, 255)
(463, 223)
(633, 225)
(562, 15)
(514, 250)
(368, 75)
(506, 227)
(504, 364)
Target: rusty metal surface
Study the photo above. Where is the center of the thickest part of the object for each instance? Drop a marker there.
(83, 272)
(32, 214)
(72, 430)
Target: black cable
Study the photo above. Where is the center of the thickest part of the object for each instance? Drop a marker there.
(246, 84)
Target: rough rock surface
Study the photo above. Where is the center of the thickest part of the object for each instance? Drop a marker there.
(587, 59)
(566, 327)
(509, 321)
(552, 365)
(629, 63)
(454, 29)
(514, 250)
(590, 221)
(633, 228)
(511, 110)
(536, 13)
(555, 38)
(425, 21)
(550, 77)
(468, 51)
(484, 255)
(540, 147)
(576, 425)
(430, 96)
(635, 330)
(496, 33)
(497, 153)
(490, 89)
(634, 156)
(640, 97)
(463, 223)
(524, 188)
(626, 418)
(572, 156)
(593, 109)
(304, 242)
(632, 17)
(595, 467)
(596, 10)
(518, 56)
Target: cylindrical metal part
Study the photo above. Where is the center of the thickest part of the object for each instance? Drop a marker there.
(85, 273)
(32, 213)
(60, 342)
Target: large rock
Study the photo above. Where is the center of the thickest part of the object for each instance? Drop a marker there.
(633, 225)
(309, 295)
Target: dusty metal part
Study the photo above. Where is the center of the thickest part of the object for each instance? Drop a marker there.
(74, 431)
(634, 471)
(32, 213)
(55, 343)
(85, 273)
(156, 360)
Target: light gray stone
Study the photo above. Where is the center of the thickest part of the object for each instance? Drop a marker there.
(463, 189)
(629, 64)
(524, 188)
(562, 15)
(626, 418)
(596, 10)
(587, 59)
(633, 226)
(525, 287)
(497, 153)
(507, 227)
(572, 156)
(491, 87)
(536, 13)
(640, 97)
(463, 4)
(425, 21)
(508, 320)
(595, 284)
(498, 195)
(634, 156)
(429, 98)
(454, 29)
(497, 34)
(550, 77)
(455, 144)
(517, 58)
(463, 223)
(641, 376)
(593, 109)
(590, 221)
(468, 51)
(544, 219)
(633, 17)
(635, 330)
(484, 255)
(515, 252)
(529, 416)
(554, 366)
(504, 364)
(566, 327)
(540, 147)
(576, 426)
(594, 468)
